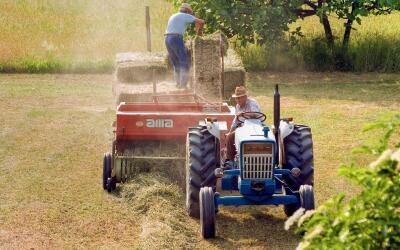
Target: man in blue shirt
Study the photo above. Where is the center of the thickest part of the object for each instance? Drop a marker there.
(177, 24)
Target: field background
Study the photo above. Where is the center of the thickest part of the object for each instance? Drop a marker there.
(85, 35)
(54, 130)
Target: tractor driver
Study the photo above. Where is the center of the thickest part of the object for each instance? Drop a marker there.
(174, 42)
(243, 104)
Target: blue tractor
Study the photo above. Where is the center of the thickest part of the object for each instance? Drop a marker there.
(273, 166)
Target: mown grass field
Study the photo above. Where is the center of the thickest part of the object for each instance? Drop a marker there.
(76, 35)
(84, 36)
(54, 130)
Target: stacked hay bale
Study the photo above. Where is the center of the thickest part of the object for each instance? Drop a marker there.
(135, 74)
(140, 66)
(207, 68)
(234, 73)
(207, 64)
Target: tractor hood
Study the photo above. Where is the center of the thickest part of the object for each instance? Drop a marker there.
(252, 129)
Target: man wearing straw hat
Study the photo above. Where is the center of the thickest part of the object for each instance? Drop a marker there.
(243, 104)
(177, 24)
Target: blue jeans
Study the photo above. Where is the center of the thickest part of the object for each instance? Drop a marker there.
(179, 58)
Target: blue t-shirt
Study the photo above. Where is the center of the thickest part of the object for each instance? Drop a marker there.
(177, 23)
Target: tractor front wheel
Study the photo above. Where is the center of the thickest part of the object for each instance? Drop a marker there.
(207, 212)
(202, 157)
(307, 197)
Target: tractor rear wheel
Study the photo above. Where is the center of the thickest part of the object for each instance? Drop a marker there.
(106, 169)
(207, 212)
(202, 157)
(298, 147)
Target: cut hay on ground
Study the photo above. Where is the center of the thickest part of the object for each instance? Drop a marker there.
(140, 67)
(160, 210)
(173, 168)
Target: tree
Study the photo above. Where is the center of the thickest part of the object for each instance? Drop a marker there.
(258, 21)
(254, 21)
(350, 11)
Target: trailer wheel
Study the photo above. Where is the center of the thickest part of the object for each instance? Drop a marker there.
(298, 148)
(106, 169)
(111, 184)
(307, 197)
(202, 157)
(207, 212)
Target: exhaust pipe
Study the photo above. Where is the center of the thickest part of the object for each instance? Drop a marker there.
(277, 116)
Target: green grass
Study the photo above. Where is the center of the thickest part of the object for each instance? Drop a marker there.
(75, 36)
(84, 36)
(55, 128)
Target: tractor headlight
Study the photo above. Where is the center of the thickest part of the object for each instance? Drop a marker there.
(257, 148)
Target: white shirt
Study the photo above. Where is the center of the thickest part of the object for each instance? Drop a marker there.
(250, 106)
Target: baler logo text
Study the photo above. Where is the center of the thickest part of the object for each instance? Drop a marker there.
(159, 123)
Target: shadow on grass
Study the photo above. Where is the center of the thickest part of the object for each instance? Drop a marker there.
(370, 88)
(252, 227)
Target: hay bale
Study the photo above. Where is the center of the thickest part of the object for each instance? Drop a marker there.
(143, 92)
(232, 59)
(140, 67)
(233, 77)
(207, 68)
(234, 73)
(220, 37)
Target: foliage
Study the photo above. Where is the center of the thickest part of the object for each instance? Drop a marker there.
(255, 21)
(366, 53)
(353, 10)
(369, 220)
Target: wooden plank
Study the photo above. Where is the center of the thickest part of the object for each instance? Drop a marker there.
(148, 28)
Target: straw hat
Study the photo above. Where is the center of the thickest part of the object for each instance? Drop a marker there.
(239, 92)
(186, 6)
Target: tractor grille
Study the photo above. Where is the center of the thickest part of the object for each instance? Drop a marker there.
(257, 166)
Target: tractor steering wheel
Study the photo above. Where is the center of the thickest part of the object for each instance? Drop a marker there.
(250, 115)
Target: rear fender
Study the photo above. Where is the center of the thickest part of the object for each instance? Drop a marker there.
(286, 128)
(215, 128)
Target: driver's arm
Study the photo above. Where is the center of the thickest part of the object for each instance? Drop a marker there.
(234, 125)
(235, 122)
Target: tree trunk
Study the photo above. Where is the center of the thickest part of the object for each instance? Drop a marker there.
(347, 31)
(328, 30)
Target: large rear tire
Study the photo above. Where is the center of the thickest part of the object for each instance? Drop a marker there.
(298, 148)
(202, 158)
(207, 212)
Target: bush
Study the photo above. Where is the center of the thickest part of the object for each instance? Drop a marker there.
(368, 53)
(369, 220)
(264, 57)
